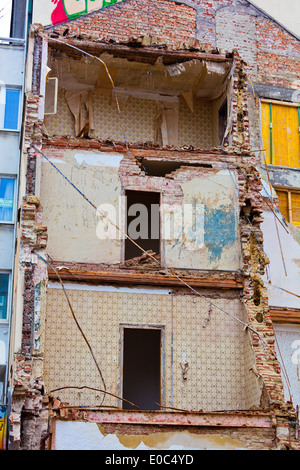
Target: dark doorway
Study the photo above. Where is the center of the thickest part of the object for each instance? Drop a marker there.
(142, 223)
(141, 368)
(222, 121)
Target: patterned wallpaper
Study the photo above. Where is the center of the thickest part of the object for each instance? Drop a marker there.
(211, 343)
(139, 121)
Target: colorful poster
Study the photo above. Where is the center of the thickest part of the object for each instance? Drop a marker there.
(65, 10)
(3, 427)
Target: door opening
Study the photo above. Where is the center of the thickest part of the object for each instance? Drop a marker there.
(143, 222)
(222, 121)
(142, 368)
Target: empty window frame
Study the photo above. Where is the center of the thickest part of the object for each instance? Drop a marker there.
(14, 18)
(4, 291)
(289, 205)
(7, 190)
(280, 124)
(142, 222)
(12, 109)
(141, 367)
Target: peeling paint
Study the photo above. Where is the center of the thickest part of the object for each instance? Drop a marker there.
(219, 230)
(81, 436)
(109, 159)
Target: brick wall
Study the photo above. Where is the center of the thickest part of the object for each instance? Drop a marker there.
(134, 18)
(272, 54)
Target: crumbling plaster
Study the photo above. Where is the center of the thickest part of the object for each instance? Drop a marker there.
(214, 350)
(254, 295)
(102, 177)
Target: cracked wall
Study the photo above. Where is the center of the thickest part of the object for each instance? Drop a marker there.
(257, 371)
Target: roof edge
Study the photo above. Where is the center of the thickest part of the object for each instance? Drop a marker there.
(273, 19)
(188, 3)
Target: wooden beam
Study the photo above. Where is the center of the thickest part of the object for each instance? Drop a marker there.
(184, 418)
(285, 315)
(145, 278)
(137, 52)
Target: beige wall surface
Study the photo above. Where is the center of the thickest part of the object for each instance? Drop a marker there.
(71, 220)
(217, 243)
(139, 118)
(215, 347)
(205, 236)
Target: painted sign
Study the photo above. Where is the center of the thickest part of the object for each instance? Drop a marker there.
(3, 427)
(65, 10)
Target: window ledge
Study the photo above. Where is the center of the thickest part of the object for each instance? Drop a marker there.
(272, 166)
(16, 41)
(10, 131)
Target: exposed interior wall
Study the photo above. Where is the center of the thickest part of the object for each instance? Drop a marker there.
(169, 104)
(217, 241)
(198, 129)
(203, 198)
(203, 365)
(72, 435)
(253, 383)
(71, 221)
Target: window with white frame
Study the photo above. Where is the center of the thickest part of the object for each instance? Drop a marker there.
(7, 190)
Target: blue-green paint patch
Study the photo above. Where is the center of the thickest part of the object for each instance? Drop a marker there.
(219, 230)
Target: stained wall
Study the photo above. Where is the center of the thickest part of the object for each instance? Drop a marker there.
(211, 343)
(205, 236)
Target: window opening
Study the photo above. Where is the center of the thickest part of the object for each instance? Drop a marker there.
(289, 205)
(11, 114)
(6, 199)
(142, 223)
(280, 124)
(5, 18)
(4, 284)
(165, 167)
(222, 121)
(142, 368)
(18, 18)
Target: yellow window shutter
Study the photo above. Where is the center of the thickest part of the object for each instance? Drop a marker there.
(289, 205)
(295, 202)
(265, 128)
(280, 134)
(283, 203)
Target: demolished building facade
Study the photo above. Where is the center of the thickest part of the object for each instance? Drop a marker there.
(142, 310)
